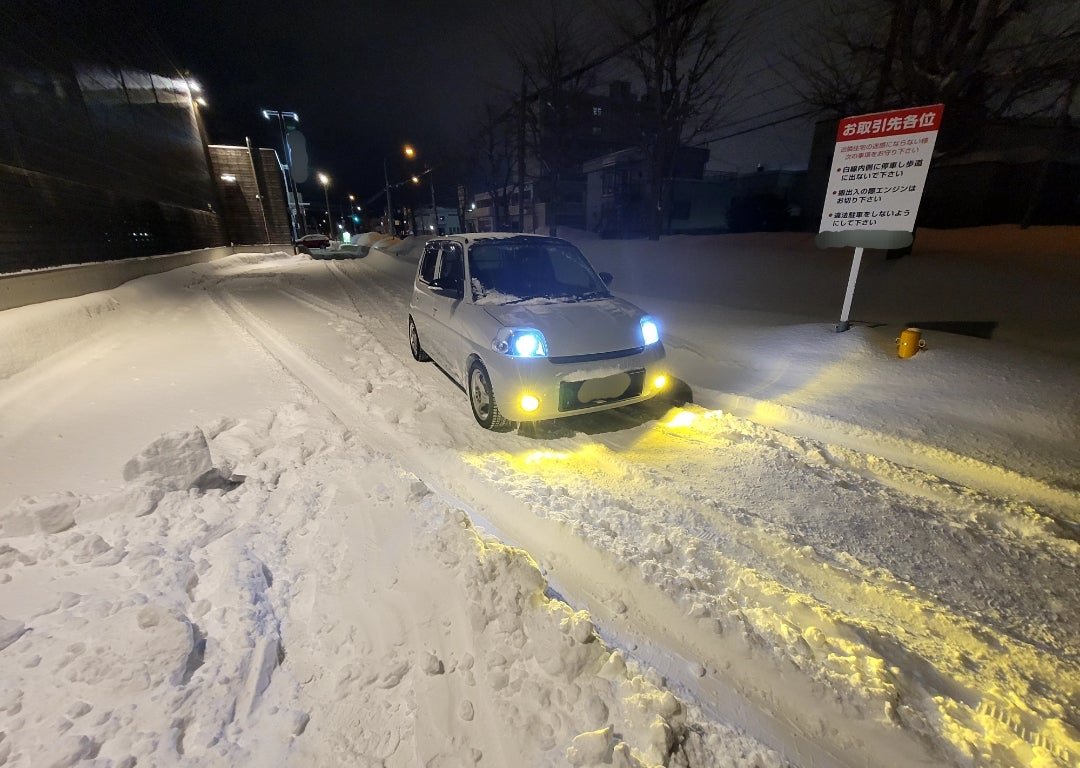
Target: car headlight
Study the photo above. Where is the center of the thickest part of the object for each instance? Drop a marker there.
(520, 342)
(650, 331)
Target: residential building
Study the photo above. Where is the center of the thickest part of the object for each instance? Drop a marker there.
(616, 193)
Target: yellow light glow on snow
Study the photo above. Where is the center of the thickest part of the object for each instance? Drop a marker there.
(991, 700)
(681, 419)
(768, 413)
(536, 457)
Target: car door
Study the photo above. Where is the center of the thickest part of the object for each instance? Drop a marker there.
(423, 301)
(448, 296)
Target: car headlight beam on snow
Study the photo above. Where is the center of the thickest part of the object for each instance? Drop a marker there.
(520, 342)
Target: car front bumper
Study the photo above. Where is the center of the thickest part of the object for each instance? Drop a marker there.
(575, 387)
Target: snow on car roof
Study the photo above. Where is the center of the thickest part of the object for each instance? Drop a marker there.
(479, 237)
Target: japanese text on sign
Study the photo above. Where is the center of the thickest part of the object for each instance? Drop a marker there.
(879, 169)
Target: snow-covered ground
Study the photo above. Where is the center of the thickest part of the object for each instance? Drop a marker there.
(239, 525)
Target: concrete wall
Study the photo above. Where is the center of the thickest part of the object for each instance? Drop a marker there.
(23, 288)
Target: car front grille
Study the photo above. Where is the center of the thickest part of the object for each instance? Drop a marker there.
(571, 394)
(591, 358)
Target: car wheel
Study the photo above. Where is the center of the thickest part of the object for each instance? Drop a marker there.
(418, 352)
(482, 400)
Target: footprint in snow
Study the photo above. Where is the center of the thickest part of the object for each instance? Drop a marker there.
(391, 678)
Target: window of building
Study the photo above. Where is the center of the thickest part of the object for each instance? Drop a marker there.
(597, 111)
(609, 183)
(596, 130)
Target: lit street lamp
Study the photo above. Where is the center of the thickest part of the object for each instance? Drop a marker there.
(325, 181)
(409, 153)
(430, 173)
(294, 208)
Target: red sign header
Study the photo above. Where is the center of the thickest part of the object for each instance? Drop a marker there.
(894, 123)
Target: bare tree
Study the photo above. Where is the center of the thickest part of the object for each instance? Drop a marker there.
(981, 58)
(551, 41)
(494, 154)
(684, 53)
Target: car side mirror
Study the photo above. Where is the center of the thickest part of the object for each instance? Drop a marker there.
(607, 277)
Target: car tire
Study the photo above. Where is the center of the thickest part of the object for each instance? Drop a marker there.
(418, 353)
(482, 400)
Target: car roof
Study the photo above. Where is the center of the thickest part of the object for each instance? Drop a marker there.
(471, 238)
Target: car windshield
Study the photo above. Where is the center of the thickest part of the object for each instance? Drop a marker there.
(518, 269)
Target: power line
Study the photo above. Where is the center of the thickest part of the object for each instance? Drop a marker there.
(807, 113)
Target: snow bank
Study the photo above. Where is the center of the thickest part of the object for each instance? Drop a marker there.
(41, 330)
(170, 622)
(1013, 284)
(29, 334)
(410, 249)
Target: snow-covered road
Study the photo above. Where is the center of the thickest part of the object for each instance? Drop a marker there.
(301, 554)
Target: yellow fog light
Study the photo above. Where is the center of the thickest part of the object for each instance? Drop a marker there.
(660, 381)
(529, 403)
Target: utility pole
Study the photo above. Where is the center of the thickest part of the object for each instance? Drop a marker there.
(325, 181)
(389, 206)
(434, 210)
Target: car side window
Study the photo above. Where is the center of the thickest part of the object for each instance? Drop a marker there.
(452, 267)
(427, 262)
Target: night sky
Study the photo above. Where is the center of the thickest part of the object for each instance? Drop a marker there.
(367, 77)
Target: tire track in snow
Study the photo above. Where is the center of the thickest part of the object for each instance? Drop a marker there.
(339, 398)
(833, 613)
(864, 634)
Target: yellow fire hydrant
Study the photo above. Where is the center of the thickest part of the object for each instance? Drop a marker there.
(910, 342)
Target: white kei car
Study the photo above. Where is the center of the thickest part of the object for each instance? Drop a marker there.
(529, 329)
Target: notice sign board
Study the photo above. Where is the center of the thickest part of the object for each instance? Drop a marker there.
(877, 177)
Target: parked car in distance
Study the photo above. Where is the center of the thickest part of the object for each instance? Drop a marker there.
(529, 329)
(307, 243)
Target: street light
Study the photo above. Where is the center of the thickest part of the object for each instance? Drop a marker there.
(430, 173)
(325, 181)
(410, 153)
(291, 182)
